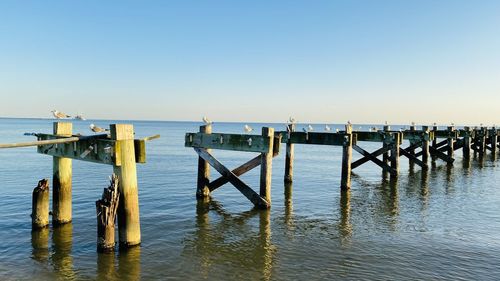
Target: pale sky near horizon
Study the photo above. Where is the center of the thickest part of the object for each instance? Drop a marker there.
(319, 61)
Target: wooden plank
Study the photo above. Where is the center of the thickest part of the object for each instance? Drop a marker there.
(379, 136)
(445, 134)
(375, 160)
(103, 149)
(441, 155)
(255, 162)
(237, 142)
(336, 139)
(365, 159)
(233, 179)
(412, 157)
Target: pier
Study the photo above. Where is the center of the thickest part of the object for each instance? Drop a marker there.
(119, 149)
(426, 144)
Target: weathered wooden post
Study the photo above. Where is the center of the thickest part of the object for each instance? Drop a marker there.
(412, 151)
(289, 155)
(434, 142)
(266, 166)
(345, 180)
(467, 143)
(425, 145)
(125, 168)
(106, 209)
(40, 205)
(394, 157)
(385, 155)
(493, 140)
(451, 140)
(203, 169)
(482, 141)
(62, 180)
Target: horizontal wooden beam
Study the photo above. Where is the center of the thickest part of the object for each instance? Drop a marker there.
(237, 142)
(336, 139)
(440, 134)
(96, 149)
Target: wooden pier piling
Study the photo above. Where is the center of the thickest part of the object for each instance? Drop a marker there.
(451, 141)
(202, 189)
(128, 210)
(289, 155)
(385, 155)
(434, 143)
(493, 140)
(266, 166)
(425, 146)
(40, 205)
(411, 150)
(62, 180)
(466, 142)
(345, 180)
(394, 157)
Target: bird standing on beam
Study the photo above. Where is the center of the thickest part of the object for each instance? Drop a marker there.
(59, 114)
(97, 129)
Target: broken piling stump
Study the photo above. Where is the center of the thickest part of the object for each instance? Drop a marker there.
(40, 205)
(106, 209)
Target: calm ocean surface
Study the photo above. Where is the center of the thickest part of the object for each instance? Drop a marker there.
(440, 225)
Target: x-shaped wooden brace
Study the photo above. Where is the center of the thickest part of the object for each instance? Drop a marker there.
(367, 156)
(413, 157)
(233, 176)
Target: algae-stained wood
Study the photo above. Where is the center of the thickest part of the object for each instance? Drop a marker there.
(446, 134)
(313, 138)
(372, 136)
(248, 143)
(96, 150)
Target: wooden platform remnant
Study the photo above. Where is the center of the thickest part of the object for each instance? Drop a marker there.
(267, 144)
(118, 149)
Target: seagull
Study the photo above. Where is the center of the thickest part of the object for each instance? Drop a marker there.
(291, 120)
(412, 123)
(247, 128)
(206, 120)
(385, 123)
(327, 128)
(310, 128)
(97, 129)
(59, 115)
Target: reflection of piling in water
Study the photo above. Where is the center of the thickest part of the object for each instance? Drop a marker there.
(106, 269)
(40, 244)
(62, 260)
(267, 249)
(345, 227)
(129, 264)
(288, 204)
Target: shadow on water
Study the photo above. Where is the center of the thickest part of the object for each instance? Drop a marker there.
(226, 242)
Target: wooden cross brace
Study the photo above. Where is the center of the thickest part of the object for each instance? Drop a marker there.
(367, 156)
(413, 157)
(233, 176)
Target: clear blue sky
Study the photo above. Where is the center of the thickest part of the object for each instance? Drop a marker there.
(320, 61)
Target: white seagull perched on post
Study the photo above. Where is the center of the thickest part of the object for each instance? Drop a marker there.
(327, 128)
(97, 129)
(59, 114)
(247, 128)
(206, 120)
(291, 120)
